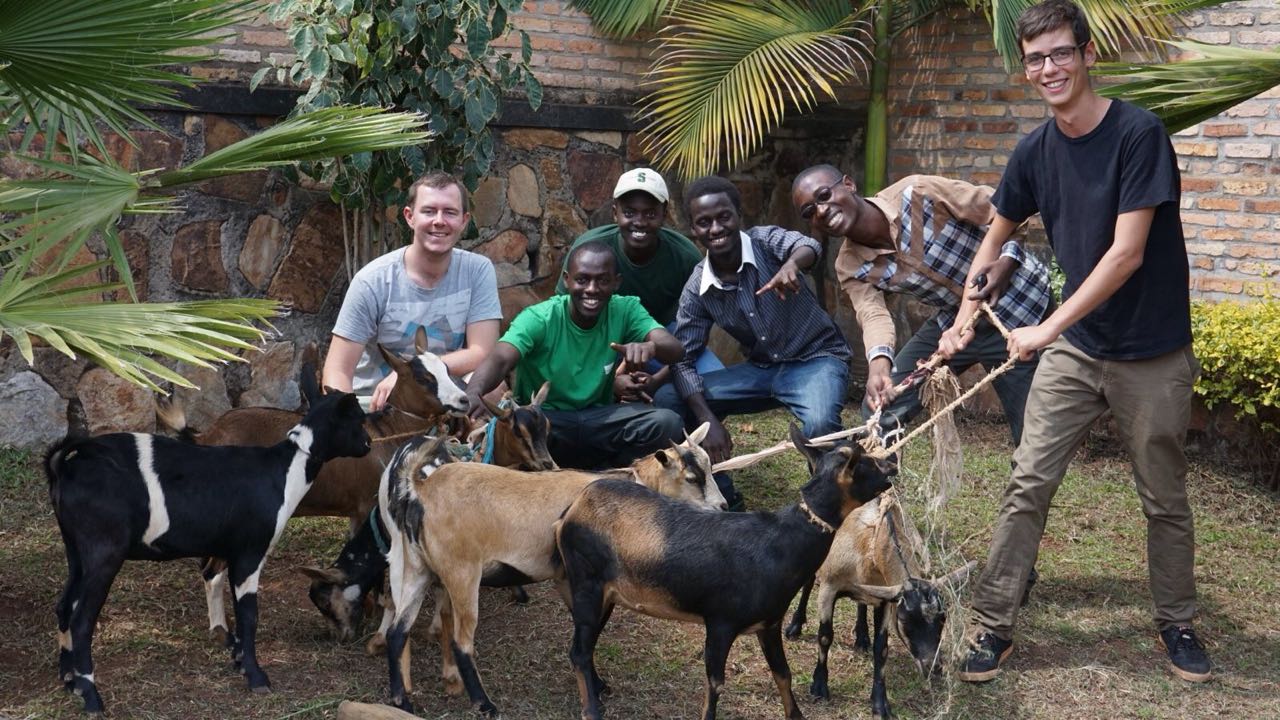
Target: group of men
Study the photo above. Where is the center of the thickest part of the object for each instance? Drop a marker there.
(624, 342)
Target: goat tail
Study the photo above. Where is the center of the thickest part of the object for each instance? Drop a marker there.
(55, 468)
(172, 413)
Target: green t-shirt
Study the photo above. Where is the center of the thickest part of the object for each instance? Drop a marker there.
(658, 282)
(579, 363)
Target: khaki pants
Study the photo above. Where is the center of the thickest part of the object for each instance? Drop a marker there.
(1151, 402)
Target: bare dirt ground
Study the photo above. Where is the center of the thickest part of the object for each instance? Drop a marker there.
(1085, 647)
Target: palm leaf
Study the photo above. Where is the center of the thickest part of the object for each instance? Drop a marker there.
(1188, 92)
(1116, 25)
(122, 337)
(730, 70)
(64, 65)
(623, 18)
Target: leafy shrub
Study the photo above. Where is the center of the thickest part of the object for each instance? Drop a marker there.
(1238, 345)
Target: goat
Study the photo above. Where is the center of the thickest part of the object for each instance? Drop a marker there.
(474, 525)
(515, 438)
(876, 559)
(734, 572)
(346, 487)
(130, 496)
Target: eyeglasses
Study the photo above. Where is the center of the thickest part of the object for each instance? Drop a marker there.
(821, 196)
(1061, 56)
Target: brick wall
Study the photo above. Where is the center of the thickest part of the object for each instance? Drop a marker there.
(956, 112)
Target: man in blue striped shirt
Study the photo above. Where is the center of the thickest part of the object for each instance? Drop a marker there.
(751, 284)
(918, 237)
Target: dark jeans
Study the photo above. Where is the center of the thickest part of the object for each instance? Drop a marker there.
(609, 436)
(988, 348)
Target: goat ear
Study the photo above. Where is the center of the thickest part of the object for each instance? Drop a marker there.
(419, 340)
(495, 409)
(887, 593)
(661, 456)
(171, 413)
(329, 575)
(395, 361)
(699, 434)
(957, 576)
(542, 395)
(802, 444)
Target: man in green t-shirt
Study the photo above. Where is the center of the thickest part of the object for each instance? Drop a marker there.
(576, 342)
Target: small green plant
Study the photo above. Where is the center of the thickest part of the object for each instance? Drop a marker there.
(1238, 345)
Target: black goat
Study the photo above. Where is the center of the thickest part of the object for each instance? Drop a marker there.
(131, 496)
(734, 572)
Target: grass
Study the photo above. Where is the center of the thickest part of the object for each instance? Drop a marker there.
(1085, 644)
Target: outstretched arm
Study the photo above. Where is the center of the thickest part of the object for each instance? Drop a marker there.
(497, 366)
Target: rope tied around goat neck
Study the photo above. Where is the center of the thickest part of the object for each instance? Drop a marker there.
(869, 434)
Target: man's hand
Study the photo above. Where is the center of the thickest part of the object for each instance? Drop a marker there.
(788, 280)
(952, 341)
(879, 383)
(717, 443)
(632, 387)
(477, 410)
(993, 279)
(636, 354)
(1025, 341)
(381, 392)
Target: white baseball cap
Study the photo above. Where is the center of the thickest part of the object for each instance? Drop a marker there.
(646, 179)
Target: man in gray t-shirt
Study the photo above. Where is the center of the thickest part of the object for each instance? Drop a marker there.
(450, 294)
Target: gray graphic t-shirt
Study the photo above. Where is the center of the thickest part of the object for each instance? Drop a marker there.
(384, 306)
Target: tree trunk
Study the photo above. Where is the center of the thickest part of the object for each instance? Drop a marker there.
(877, 142)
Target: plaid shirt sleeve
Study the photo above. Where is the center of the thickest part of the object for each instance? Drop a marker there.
(781, 243)
(693, 326)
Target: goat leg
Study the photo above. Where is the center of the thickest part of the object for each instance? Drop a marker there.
(84, 618)
(245, 572)
(716, 652)
(827, 597)
(879, 696)
(861, 639)
(587, 610)
(798, 619)
(775, 655)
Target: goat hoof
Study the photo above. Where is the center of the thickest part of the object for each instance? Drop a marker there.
(820, 692)
(453, 687)
(793, 631)
(488, 709)
(404, 704)
(262, 690)
(519, 595)
(220, 637)
(376, 646)
(862, 645)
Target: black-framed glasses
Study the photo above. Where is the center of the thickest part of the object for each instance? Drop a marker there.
(821, 196)
(1061, 56)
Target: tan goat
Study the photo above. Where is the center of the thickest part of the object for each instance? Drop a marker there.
(876, 558)
(470, 525)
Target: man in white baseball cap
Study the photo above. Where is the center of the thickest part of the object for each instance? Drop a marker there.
(654, 262)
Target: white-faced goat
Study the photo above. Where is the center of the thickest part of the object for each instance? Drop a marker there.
(471, 525)
(876, 559)
(423, 397)
(734, 572)
(130, 496)
(515, 438)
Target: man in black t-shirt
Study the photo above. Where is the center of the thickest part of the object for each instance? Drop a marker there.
(1104, 178)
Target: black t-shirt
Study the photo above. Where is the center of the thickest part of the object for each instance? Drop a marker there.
(1079, 186)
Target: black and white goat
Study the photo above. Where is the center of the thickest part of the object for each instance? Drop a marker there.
(131, 496)
(734, 572)
(876, 559)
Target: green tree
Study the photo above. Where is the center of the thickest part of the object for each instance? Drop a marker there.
(729, 71)
(67, 70)
(437, 58)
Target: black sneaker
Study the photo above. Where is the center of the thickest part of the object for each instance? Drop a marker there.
(986, 652)
(1186, 655)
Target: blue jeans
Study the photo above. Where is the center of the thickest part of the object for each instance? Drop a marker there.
(813, 390)
(706, 362)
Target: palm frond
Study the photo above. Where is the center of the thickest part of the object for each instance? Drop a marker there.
(122, 337)
(65, 65)
(624, 18)
(729, 71)
(1115, 24)
(1188, 92)
(329, 132)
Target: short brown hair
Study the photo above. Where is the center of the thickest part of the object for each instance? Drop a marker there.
(438, 180)
(1051, 15)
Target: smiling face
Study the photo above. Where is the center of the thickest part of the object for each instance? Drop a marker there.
(639, 215)
(436, 218)
(829, 202)
(716, 224)
(1061, 86)
(590, 280)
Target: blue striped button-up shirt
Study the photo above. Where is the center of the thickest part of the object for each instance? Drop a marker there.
(770, 330)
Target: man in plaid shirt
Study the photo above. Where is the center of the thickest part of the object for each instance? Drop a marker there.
(918, 237)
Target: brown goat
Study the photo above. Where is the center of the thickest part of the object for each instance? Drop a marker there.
(473, 525)
(876, 559)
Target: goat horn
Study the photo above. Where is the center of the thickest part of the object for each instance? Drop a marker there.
(878, 592)
(956, 576)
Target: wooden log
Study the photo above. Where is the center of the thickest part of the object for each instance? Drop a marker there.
(349, 710)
